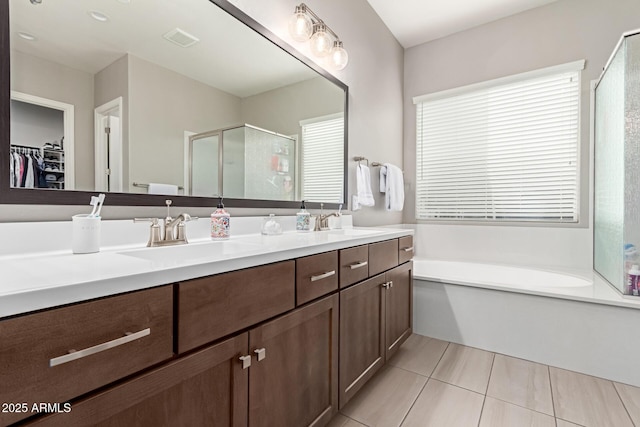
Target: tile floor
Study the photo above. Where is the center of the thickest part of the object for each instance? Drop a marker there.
(435, 383)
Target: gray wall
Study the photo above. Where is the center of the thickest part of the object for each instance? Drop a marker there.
(159, 118)
(374, 76)
(35, 76)
(110, 83)
(34, 125)
(557, 33)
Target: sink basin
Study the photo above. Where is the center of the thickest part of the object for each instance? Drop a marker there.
(356, 231)
(195, 251)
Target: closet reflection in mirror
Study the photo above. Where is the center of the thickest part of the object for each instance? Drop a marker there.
(148, 109)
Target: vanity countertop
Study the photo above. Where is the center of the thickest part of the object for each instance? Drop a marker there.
(53, 278)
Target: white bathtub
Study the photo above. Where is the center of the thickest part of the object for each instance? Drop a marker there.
(551, 317)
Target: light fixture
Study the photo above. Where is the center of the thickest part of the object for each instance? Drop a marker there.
(36, 1)
(324, 42)
(300, 25)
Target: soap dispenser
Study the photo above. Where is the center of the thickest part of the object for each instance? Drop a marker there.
(303, 219)
(220, 227)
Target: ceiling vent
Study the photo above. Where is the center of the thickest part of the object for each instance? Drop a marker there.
(181, 38)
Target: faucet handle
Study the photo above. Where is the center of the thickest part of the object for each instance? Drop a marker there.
(154, 236)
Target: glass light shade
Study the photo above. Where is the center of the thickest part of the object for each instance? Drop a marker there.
(321, 43)
(300, 27)
(339, 56)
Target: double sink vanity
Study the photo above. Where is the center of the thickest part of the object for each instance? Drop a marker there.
(257, 330)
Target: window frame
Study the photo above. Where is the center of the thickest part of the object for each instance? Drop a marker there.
(575, 66)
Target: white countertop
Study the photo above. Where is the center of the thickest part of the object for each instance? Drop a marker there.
(38, 280)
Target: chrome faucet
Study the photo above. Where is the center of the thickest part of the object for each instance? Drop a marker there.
(173, 231)
(322, 221)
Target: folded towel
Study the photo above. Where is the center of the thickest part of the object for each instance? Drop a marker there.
(392, 184)
(363, 186)
(168, 189)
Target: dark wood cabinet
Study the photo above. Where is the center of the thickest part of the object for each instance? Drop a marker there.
(375, 319)
(362, 329)
(316, 275)
(294, 376)
(399, 307)
(206, 388)
(382, 256)
(59, 354)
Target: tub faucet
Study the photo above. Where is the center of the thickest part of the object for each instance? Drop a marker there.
(173, 231)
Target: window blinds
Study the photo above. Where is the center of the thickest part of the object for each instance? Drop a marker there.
(323, 159)
(503, 152)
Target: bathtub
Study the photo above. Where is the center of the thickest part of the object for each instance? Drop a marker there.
(570, 320)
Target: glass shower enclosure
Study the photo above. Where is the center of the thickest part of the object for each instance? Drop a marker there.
(242, 162)
(617, 167)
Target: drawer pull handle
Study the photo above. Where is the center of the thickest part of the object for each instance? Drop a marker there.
(261, 353)
(74, 355)
(358, 264)
(323, 275)
(409, 249)
(246, 361)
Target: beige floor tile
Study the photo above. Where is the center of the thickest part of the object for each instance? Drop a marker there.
(586, 400)
(419, 354)
(563, 423)
(445, 405)
(342, 421)
(465, 367)
(386, 399)
(631, 399)
(522, 383)
(497, 413)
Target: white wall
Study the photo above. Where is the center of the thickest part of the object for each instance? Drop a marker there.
(374, 76)
(560, 32)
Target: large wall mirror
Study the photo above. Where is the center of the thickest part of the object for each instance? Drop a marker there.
(148, 98)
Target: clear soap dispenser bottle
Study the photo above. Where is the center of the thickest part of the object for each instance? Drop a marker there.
(220, 219)
(303, 219)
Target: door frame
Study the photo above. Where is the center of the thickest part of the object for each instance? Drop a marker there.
(68, 115)
(100, 113)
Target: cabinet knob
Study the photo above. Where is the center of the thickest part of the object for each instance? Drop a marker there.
(386, 285)
(261, 353)
(391, 283)
(246, 361)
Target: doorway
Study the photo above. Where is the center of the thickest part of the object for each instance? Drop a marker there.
(108, 146)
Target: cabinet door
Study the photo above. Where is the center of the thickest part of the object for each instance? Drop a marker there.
(294, 372)
(362, 345)
(399, 306)
(207, 388)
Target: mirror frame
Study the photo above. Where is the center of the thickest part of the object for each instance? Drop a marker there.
(10, 195)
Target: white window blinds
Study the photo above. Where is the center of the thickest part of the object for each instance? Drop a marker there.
(323, 159)
(504, 150)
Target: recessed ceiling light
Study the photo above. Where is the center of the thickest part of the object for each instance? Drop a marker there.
(27, 36)
(98, 16)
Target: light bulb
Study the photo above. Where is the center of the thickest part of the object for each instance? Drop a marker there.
(300, 25)
(339, 56)
(321, 42)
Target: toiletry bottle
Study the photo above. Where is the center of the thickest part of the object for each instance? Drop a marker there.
(303, 219)
(220, 227)
(633, 280)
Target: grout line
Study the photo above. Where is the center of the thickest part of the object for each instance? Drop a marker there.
(484, 400)
(440, 359)
(414, 403)
(493, 361)
(553, 400)
(411, 372)
(622, 401)
(520, 406)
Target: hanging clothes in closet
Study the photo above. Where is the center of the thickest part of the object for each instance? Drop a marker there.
(26, 167)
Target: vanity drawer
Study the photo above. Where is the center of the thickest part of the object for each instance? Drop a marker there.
(213, 307)
(354, 265)
(382, 256)
(405, 249)
(316, 275)
(111, 338)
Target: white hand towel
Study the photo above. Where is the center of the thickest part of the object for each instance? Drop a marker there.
(168, 189)
(363, 186)
(393, 187)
